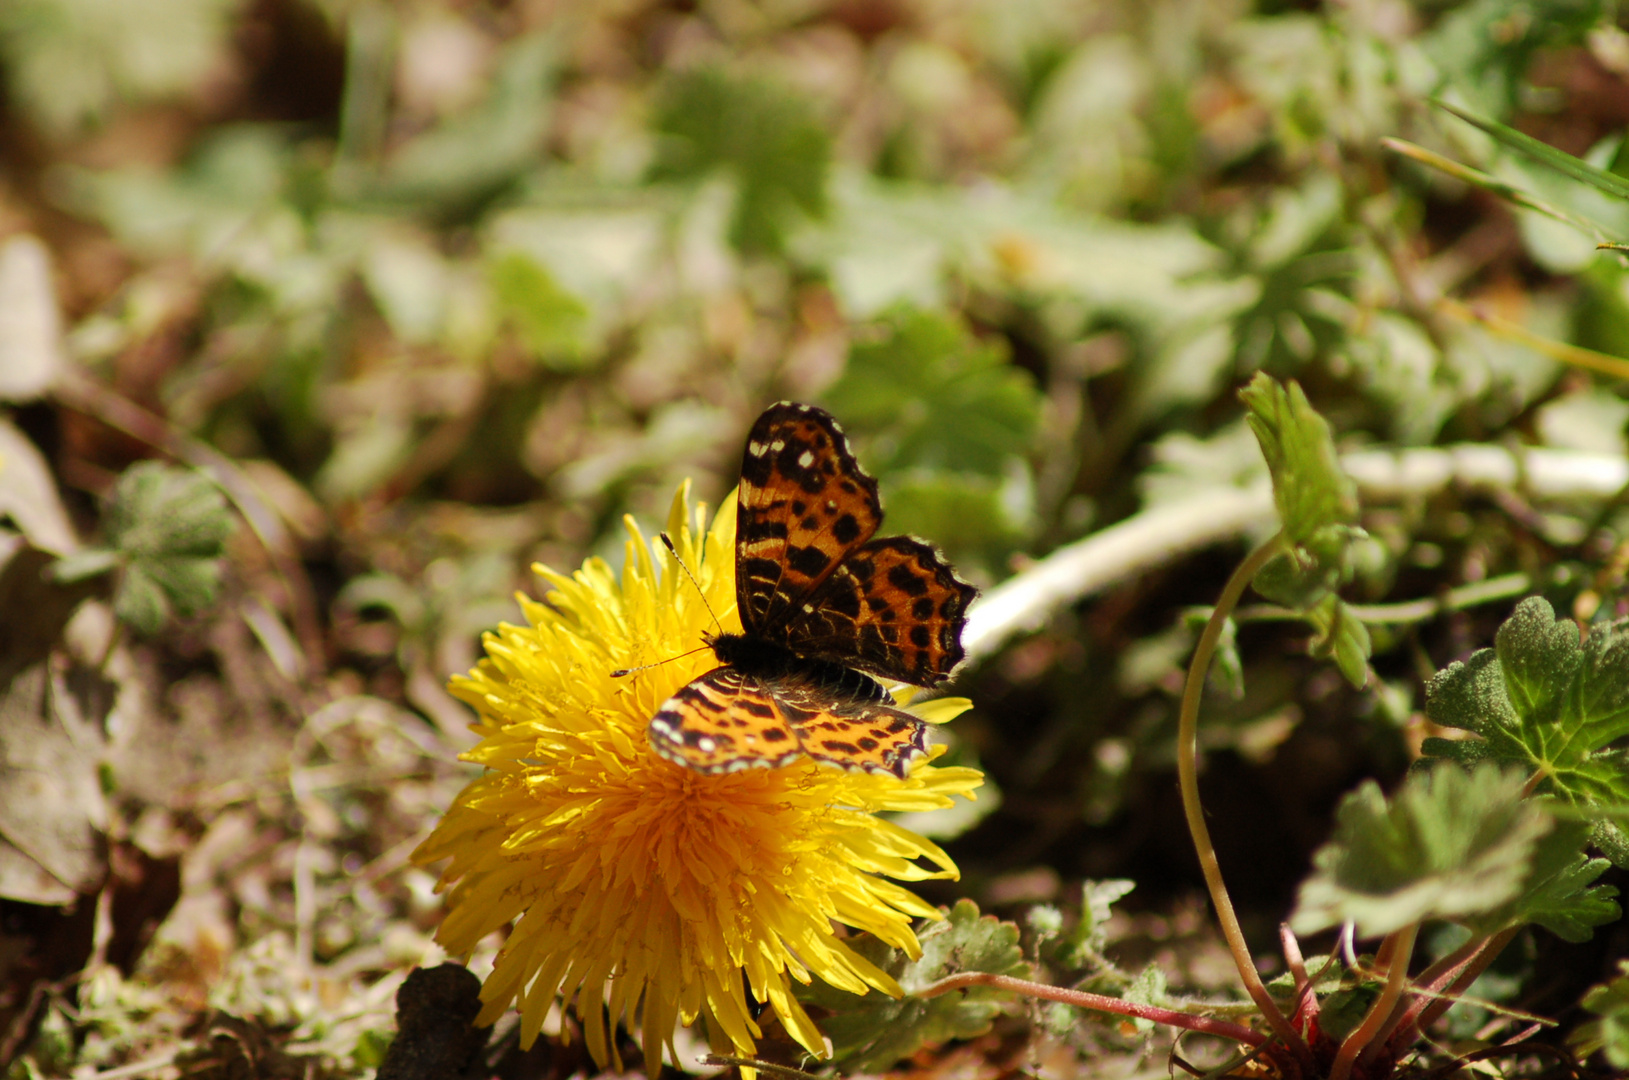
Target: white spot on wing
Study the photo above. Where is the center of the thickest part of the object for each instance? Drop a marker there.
(806, 458)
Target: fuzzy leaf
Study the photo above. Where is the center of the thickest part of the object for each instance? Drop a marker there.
(1544, 701)
(1449, 844)
(168, 527)
(871, 1032)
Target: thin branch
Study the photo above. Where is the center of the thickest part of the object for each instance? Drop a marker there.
(1096, 1002)
(1163, 533)
(754, 1063)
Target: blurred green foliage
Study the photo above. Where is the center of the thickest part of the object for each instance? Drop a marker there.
(463, 283)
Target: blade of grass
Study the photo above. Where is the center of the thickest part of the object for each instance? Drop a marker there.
(1544, 153)
(1494, 186)
(1575, 355)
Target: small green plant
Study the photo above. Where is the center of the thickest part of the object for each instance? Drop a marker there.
(1488, 833)
(165, 535)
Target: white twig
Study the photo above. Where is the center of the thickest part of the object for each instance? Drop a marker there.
(1157, 535)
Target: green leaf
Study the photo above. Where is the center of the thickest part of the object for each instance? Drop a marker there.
(1084, 942)
(550, 321)
(168, 527)
(1560, 895)
(1341, 637)
(1450, 844)
(1484, 48)
(1545, 154)
(478, 152)
(1315, 499)
(1542, 700)
(767, 138)
(871, 1032)
(1609, 1034)
(69, 61)
(1318, 507)
(935, 397)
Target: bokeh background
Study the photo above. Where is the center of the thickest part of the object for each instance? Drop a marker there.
(438, 289)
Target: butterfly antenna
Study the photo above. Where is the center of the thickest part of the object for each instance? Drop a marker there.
(668, 543)
(620, 672)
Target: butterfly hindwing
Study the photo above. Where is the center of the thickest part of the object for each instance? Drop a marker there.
(804, 504)
(728, 720)
(723, 721)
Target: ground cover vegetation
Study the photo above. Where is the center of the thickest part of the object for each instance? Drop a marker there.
(1262, 364)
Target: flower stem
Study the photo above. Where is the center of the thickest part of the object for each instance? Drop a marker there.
(1188, 779)
(1398, 946)
(1096, 1002)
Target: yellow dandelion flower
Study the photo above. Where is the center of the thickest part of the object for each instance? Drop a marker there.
(638, 883)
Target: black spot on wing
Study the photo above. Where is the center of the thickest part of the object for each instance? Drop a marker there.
(808, 561)
(900, 577)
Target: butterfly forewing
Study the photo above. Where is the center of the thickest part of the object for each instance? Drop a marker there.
(894, 608)
(804, 503)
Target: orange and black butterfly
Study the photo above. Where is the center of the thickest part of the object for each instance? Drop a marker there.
(824, 607)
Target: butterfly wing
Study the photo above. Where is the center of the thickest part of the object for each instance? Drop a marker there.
(721, 722)
(894, 608)
(804, 504)
(727, 720)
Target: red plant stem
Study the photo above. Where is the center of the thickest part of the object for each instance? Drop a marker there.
(1398, 946)
(1188, 781)
(1096, 1002)
(1447, 978)
(1306, 1002)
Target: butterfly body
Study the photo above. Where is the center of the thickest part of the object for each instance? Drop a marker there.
(825, 612)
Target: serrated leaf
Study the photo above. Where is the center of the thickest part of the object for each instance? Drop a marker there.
(765, 136)
(1544, 701)
(1148, 988)
(871, 1032)
(1449, 844)
(1610, 840)
(168, 527)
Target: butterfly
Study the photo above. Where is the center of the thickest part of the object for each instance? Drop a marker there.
(825, 611)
